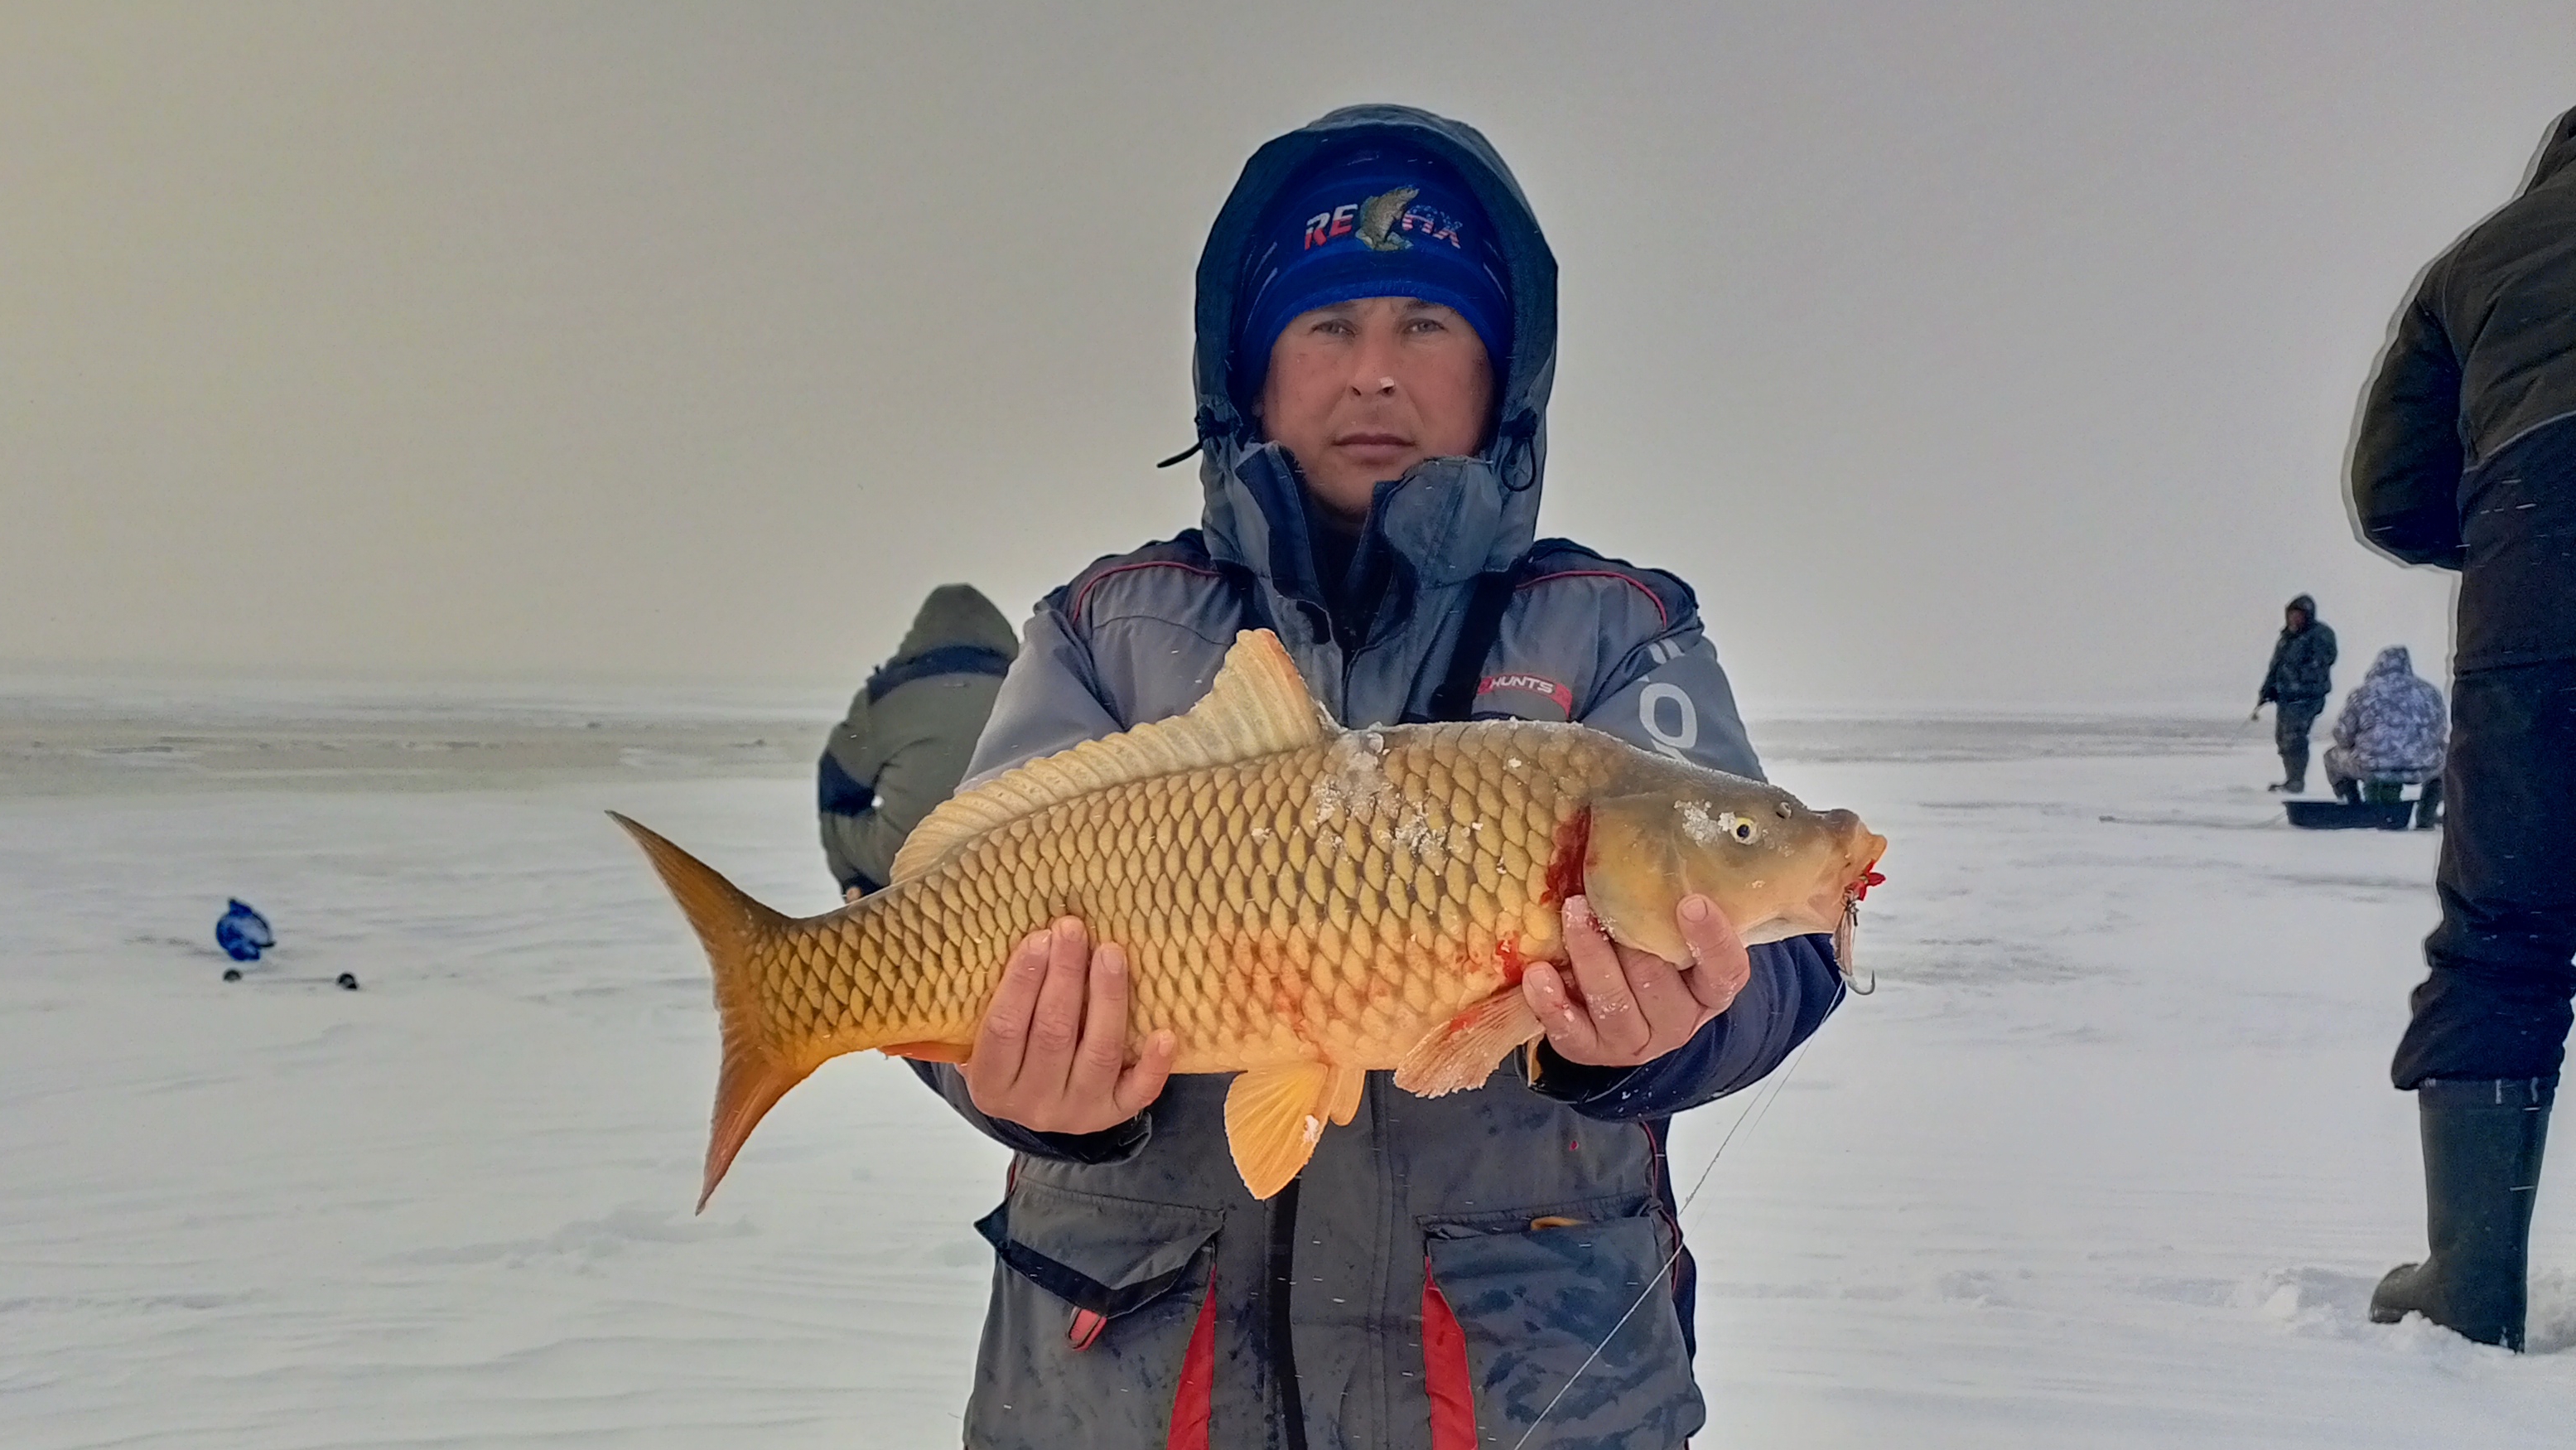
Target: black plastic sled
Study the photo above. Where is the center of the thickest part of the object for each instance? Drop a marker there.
(2338, 816)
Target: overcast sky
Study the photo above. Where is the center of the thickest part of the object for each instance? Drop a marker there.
(1961, 353)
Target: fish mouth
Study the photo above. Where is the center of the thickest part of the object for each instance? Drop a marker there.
(1867, 876)
(1848, 927)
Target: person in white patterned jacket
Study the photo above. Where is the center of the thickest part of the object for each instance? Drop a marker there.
(2391, 733)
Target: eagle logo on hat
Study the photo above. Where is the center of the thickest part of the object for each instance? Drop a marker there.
(1379, 216)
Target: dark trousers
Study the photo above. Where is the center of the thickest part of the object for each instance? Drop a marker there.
(2504, 958)
(2291, 722)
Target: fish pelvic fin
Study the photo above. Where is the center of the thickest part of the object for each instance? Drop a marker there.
(733, 928)
(1258, 705)
(1464, 1051)
(1275, 1115)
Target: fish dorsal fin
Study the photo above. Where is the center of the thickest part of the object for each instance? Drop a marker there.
(1257, 706)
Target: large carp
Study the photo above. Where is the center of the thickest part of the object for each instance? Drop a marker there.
(1300, 903)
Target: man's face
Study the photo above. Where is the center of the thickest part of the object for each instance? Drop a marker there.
(1358, 392)
(2295, 620)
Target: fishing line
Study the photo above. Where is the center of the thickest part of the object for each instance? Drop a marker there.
(1761, 1107)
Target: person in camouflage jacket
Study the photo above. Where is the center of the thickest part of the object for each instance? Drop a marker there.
(2391, 731)
(2301, 676)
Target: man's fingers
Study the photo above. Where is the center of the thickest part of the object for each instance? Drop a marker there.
(1720, 966)
(1140, 1085)
(1568, 1026)
(1604, 985)
(1664, 998)
(1104, 1027)
(1003, 1039)
(1056, 1026)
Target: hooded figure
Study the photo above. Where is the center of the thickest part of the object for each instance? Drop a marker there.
(2296, 685)
(2391, 728)
(1446, 1270)
(909, 733)
(2466, 459)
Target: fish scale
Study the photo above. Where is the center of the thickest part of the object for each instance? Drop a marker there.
(1298, 903)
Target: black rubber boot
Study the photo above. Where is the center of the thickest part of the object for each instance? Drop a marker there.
(2482, 1143)
(2428, 807)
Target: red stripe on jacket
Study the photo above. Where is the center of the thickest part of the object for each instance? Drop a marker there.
(1197, 1391)
(1444, 1371)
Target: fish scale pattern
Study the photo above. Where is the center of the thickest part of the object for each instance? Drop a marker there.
(1333, 902)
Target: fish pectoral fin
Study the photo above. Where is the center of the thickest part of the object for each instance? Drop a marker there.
(952, 1052)
(1342, 1095)
(1465, 1050)
(1273, 1115)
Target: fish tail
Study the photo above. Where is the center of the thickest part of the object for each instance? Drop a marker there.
(734, 928)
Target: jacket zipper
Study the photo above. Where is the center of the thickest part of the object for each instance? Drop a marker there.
(1283, 1347)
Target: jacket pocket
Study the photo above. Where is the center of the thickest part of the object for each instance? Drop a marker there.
(1095, 1301)
(1536, 1293)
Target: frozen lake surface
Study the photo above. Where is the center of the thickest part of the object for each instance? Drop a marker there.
(2109, 1160)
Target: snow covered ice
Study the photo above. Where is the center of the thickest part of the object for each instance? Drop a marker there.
(2109, 1160)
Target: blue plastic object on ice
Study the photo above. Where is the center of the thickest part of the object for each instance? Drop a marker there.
(243, 933)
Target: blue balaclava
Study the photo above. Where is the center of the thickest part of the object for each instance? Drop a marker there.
(1370, 223)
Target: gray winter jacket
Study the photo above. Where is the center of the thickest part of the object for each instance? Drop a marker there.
(1443, 1267)
(909, 733)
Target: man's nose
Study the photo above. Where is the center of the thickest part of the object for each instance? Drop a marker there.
(1373, 367)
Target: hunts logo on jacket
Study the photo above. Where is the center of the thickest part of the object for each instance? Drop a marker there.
(1524, 697)
(1381, 221)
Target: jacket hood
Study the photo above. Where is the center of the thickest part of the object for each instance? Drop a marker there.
(957, 614)
(2304, 605)
(2393, 660)
(2557, 151)
(1449, 518)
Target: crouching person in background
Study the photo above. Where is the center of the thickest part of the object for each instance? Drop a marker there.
(2389, 736)
(909, 733)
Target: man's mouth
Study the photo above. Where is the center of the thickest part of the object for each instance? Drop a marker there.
(1372, 440)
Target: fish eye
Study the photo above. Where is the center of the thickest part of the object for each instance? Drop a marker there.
(1744, 831)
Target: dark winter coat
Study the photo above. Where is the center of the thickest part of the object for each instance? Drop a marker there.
(2302, 662)
(910, 732)
(2466, 455)
(1444, 1266)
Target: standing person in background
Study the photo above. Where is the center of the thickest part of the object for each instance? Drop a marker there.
(2466, 459)
(2390, 734)
(2296, 686)
(909, 733)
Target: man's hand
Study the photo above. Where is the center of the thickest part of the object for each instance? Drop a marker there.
(1636, 1006)
(1053, 1045)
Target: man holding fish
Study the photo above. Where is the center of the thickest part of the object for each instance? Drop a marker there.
(1376, 343)
(1344, 893)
